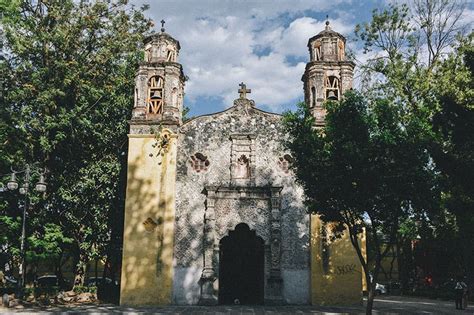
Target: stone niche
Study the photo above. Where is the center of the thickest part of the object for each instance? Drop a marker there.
(259, 208)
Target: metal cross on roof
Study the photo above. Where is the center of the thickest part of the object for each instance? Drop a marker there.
(243, 90)
(163, 25)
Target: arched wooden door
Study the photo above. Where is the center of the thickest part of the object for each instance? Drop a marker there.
(241, 267)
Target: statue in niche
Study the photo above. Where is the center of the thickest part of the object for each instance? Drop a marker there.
(162, 51)
(148, 53)
(154, 52)
(242, 169)
(332, 48)
(174, 97)
(341, 50)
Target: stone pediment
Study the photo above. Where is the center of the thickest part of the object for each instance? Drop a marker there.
(242, 107)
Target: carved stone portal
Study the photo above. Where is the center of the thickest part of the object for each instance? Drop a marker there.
(259, 208)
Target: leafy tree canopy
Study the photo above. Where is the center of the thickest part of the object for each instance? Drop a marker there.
(68, 69)
(367, 169)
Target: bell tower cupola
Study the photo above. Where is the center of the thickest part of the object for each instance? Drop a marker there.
(328, 74)
(159, 84)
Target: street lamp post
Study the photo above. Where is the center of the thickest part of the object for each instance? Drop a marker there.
(25, 190)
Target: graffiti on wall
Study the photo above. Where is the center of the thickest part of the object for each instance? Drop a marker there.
(342, 270)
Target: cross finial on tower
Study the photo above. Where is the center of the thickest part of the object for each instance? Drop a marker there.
(243, 90)
(163, 25)
(327, 22)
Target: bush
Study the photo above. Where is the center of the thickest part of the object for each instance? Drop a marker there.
(85, 289)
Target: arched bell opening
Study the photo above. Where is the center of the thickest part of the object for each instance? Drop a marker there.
(241, 267)
(332, 86)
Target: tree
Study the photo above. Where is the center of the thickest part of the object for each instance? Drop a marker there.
(453, 150)
(366, 170)
(405, 46)
(413, 63)
(439, 24)
(69, 69)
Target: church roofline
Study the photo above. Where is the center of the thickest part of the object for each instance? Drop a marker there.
(154, 36)
(325, 33)
(230, 109)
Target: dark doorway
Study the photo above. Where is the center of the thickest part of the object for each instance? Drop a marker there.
(241, 263)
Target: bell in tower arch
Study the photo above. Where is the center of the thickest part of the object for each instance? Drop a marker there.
(332, 96)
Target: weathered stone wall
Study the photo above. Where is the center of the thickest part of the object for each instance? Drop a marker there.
(211, 136)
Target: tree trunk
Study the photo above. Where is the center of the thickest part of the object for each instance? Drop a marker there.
(80, 274)
(95, 270)
(104, 271)
(370, 300)
(392, 263)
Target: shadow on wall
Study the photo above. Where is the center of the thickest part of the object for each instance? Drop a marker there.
(148, 232)
(336, 273)
(188, 253)
(189, 240)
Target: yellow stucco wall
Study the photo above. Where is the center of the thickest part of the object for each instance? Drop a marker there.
(147, 265)
(341, 282)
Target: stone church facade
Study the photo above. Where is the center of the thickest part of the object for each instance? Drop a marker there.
(213, 213)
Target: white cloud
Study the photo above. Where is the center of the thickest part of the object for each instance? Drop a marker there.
(221, 41)
(294, 39)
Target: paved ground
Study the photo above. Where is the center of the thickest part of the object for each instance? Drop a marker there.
(383, 305)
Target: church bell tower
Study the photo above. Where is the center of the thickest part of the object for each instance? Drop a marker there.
(329, 74)
(147, 263)
(159, 84)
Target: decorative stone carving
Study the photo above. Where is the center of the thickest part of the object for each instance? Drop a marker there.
(199, 162)
(240, 130)
(242, 169)
(242, 159)
(284, 163)
(208, 296)
(243, 90)
(149, 224)
(259, 207)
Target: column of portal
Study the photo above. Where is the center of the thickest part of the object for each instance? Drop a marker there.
(208, 296)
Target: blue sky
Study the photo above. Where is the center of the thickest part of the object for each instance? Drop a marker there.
(262, 43)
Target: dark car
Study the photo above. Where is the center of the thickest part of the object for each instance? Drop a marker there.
(108, 290)
(48, 281)
(10, 281)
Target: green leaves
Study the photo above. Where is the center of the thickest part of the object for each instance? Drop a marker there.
(453, 126)
(47, 243)
(389, 30)
(68, 92)
(367, 168)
